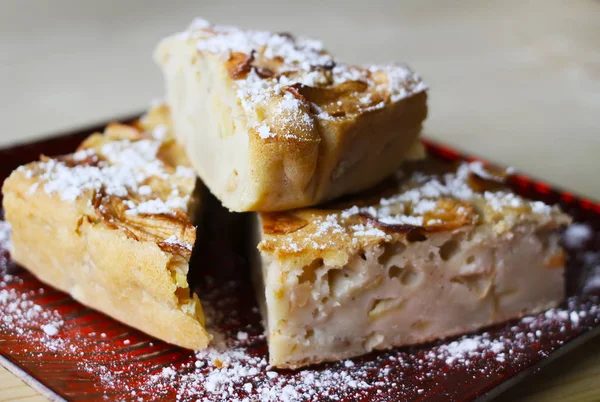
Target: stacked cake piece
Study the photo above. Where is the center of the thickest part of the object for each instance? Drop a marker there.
(360, 246)
(272, 123)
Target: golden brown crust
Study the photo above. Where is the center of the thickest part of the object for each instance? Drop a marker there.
(110, 225)
(411, 206)
(281, 223)
(304, 68)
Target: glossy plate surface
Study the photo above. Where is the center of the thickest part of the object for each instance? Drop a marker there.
(71, 352)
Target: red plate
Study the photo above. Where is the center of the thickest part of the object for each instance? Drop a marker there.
(71, 352)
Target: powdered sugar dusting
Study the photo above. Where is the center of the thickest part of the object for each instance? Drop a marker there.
(361, 230)
(304, 53)
(26, 318)
(479, 169)
(177, 242)
(50, 329)
(119, 168)
(294, 61)
(329, 231)
(577, 234)
(581, 237)
(19, 313)
(5, 230)
(419, 194)
(420, 200)
(235, 366)
(264, 131)
(158, 206)
(230, 371)
(160, 132)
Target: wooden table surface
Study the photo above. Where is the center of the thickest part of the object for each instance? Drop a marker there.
(517, 82)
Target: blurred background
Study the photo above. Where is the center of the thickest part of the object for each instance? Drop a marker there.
(517, 82)
(514, 81)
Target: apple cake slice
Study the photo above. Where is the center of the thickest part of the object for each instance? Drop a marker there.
(435, 252)
(271, 122)
(111, 225)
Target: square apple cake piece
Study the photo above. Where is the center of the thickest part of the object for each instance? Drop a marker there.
(272, 122)
(112, 225)
(436, 251)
